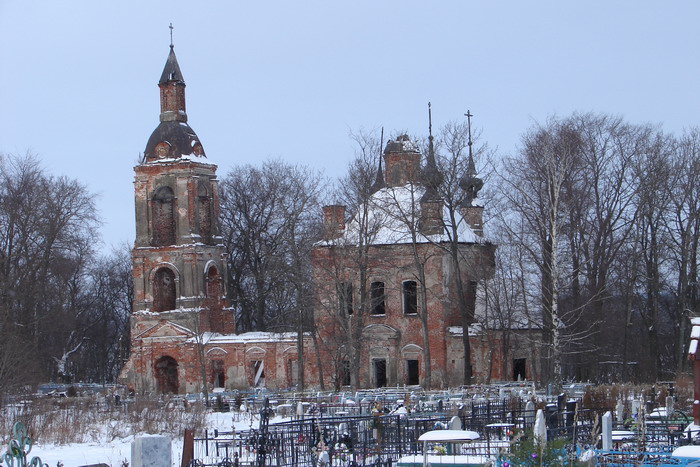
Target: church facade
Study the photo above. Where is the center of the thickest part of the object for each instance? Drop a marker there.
(182, 327)
(393, 291)
(397, 285)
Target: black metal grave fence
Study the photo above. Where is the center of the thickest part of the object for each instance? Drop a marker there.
(381, 439)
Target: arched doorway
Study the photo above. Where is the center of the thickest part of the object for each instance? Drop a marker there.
(166, 375)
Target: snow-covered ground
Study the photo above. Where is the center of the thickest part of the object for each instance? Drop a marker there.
(116, 451)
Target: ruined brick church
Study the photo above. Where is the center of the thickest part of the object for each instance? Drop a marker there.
(183, 328)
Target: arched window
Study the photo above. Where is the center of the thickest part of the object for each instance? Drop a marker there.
(204, 212)
(213, 292)
(410, 298)
(213, 284)
(163, 217)
(166, 375)
(378, 301)
(164, 293)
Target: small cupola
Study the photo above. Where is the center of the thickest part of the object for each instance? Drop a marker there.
(172, 91)
(471, 184)
(431, 221)
(173, 138)
(402, 162)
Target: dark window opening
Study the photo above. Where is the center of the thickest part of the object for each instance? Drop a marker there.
(166, 375)
(379, 373)
(258, 373)
(345, 373)
(204, 213)
(410, 298)
(519, 369)
(345, 297)
(164, 217)
(164, 290)
(412, 372)
(219, 373)
(378, 298)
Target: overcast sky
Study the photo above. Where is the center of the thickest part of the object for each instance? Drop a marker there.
(291, 79)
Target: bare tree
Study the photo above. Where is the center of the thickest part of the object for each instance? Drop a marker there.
(403, 205)
(653, 170)
(347, 260)
(458, 190)
(270, 222)
(47, 236)
(109, 296)
(534, 186)
(265, 219)
(600, 217)
(683, 186)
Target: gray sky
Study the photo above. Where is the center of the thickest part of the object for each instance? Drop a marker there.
(290, 80)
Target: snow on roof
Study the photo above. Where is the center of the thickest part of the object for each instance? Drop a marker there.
(475, 329)
(695, 332)
(691, 452)
(250, 337)
(394, 214)
(448, 435)
(694, 337)
(181, 157)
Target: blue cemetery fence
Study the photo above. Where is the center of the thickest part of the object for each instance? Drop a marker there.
(19, 448)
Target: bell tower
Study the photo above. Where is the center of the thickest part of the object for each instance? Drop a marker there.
(179, 262)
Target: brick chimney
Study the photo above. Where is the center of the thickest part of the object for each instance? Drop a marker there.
(333, 221)
(402, 162)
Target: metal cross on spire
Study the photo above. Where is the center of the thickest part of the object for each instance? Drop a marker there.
(430, 122)
(431, 148)
(469, 116)
(171, 35)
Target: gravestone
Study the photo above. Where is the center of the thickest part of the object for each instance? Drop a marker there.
(151, 451)
(619, 411)
(607, 431)
(636, 407)
(540, 428)
(530, 412)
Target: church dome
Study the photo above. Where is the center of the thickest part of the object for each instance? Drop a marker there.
(173, 140)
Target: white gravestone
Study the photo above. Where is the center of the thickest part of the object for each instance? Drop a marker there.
(607, 431)
(151, 451)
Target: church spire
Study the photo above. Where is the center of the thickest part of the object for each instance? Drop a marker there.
(171, 72)
(431, 176)
(172, 89)
(470, 183)
(379, 180)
